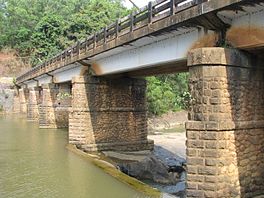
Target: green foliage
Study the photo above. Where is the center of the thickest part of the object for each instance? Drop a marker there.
(42, 28)
(167, 92)
(39, 29)
(63, 95)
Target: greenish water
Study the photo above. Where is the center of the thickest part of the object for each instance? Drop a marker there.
(35, 163)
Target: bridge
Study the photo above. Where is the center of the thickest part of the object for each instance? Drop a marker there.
(96, 88)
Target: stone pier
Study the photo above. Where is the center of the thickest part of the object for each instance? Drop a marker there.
(108, 114)
(16, 101)
(33, 104)
(54, 111)
(225, 131)
(23, 99)
(47, 117)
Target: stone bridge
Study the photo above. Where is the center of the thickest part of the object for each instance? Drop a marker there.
(96, 88)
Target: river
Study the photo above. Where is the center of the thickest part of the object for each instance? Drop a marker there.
(35, 163)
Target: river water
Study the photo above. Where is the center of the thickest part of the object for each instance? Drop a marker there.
(35, 163)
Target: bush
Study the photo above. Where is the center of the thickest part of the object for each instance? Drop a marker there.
(167, 93)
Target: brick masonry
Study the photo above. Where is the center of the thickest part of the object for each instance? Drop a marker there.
(16, 101)
(33, 104)
(23, 99)
(54, 110)
(109, 114)
(225, 131)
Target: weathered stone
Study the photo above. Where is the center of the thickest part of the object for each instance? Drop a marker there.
(150, 168)
(227, 155)
(109, 114)
(33, 104)
(53, 110)
(23, 99)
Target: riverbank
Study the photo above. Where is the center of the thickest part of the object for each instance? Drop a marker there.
(164, 167)
(110, 169)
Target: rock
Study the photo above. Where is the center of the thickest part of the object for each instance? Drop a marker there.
(174, 163)
(149, 169)
(127, 156)
(178, 189)
(176, 169)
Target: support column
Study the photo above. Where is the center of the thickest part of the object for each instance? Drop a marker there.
(47, 117)
(54, 108)
(225, 131)
(16, 101)
(108, 114)
(33, 104)
(23, 99)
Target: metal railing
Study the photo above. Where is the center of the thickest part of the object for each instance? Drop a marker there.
(153, 12)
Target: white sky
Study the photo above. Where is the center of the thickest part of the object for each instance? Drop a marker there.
(139, 3)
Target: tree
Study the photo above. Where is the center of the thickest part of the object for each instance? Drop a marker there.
(167, 93)
(24, 23)
(46, 39)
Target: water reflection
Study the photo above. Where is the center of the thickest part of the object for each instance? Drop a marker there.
(35, 163)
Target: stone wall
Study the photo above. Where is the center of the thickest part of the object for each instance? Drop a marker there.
(23, 99)
(54, 110)
(16, 102)
(109, 114)
(225, 132)
(33, 104)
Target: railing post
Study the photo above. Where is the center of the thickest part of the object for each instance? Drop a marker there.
(94, 41)
(150, 12)
(172, 7)
(86, 44)
(105, 34)
(78, 48)
(131, 22)
(117, 28)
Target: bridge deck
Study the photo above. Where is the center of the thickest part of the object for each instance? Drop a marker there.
(154, 20)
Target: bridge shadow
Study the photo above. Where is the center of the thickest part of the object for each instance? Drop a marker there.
(246, 139)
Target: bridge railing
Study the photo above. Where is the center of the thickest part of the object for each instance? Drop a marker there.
(145, 16)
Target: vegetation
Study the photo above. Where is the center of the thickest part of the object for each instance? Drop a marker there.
(42, 28)
(168, 92)
(39, 29)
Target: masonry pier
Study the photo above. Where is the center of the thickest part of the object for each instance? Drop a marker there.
(225, 132)
(33, 104)
(54, 107)
(23, 99)
(109, 114)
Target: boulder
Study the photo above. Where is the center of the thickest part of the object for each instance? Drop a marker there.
(150, 168)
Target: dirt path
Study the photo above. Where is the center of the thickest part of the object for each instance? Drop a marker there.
(168, 131)
(174, 142)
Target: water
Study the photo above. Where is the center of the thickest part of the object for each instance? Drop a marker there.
(35, 163)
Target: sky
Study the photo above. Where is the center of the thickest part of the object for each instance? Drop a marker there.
(139, 3)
